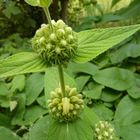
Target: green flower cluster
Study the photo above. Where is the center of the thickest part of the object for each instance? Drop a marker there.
(56, 44)
(104, 131)
(75, 11)
(65, 108)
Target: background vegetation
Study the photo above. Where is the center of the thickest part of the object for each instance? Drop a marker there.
(110, 83)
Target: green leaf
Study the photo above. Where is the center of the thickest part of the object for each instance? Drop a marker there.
(116, 78)
(33, 113)
(77, 130)
(94, 42)
(87, 68)
(110, 95)
(20, 110)
(103, 112)
(81, 81)
(39, 131)
(18, 83)
(34, 87)
(128, 50)
(130, 132)
(128, 111)
(4, 120)
(135, 90)
(6, 134)
(94, 93)
(114, 2)
(4, 91)
(52, 81)
(25, 62)
(40, 3)
(90, 116)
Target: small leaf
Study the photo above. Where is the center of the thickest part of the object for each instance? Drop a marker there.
(94, 42)
(18, 83)
(34, 87)
(40, 3)
(116, 78)
(21, 63)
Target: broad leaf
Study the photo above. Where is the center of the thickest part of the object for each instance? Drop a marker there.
(20, 110)
(128, 111)
(96, 41)
(34, 87)
(33, 113)
(128, 50)
(77, 130)
(40, 3)
(110, 95)
(6, 134)
(116, 78)
(25, 62)
(130, 132)
(103, 112)
(39, 131)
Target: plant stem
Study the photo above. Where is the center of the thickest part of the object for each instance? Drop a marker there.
(47, 13)
(60, 68)
(62, 83)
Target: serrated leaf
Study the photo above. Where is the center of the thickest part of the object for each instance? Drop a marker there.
(115, 78)
(52, 81)
(21, 63)
(94, 42)
(6, 134)
(40, 3)
(34, 87)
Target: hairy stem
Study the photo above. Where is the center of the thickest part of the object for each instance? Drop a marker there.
(47, 13)
(62, 83)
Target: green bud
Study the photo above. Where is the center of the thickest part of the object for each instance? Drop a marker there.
(53, 37)
(73, 92)
(63, 42)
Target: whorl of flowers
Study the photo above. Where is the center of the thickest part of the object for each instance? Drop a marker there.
(104, 131)
(55, 43)
(65, 108)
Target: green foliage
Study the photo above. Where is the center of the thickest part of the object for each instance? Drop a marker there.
(110, 82)
(94, 42)
(41, 3)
